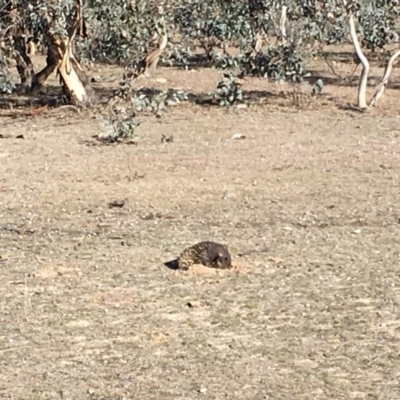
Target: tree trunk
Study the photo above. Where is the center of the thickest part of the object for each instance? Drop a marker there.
(148, 64)
(51, 64)
(282, 25)
(362, 88)
(74, 81)
(384, 81)
(153, 58)
(24, 63)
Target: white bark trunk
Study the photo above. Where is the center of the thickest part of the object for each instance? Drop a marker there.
(362, 89)
(282, 24)
(384, 81)
(72, 81)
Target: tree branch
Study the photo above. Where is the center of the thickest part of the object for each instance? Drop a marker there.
(385, 79)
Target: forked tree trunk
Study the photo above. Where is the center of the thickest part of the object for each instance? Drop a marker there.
(61, 56)
(362, 102)
(385, 79)
(75, 84)
(362, 88)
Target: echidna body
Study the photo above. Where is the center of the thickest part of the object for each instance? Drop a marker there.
(209, 254)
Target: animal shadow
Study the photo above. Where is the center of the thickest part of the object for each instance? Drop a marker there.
(173, 264)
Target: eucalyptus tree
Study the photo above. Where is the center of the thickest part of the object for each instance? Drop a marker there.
(272, 38)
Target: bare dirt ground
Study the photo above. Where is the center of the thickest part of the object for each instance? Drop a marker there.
(308, 204)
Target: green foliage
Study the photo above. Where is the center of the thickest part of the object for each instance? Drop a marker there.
(122, 31)
(330, 27)
(128, 102)
(225, 61)
(377, 22)
(228, 91)
(120, 126)
(119, 29)
(6, 83)
(157, 103)
(212, 23)
(121, 123)
(34, 18)
(276, 62)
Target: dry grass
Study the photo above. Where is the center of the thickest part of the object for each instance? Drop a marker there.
(310, 311)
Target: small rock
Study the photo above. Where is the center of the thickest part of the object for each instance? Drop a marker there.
(385, 166)
(275, 260)
(228, 195)
(116, 204)
(78, 324)
(194, 304)
(238, 136)
(167, 139)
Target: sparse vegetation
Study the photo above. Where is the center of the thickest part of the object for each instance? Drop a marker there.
(245, 129)
(272, 40)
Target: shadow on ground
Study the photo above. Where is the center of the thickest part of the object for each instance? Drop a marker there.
(173, 264)
(53, 97)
